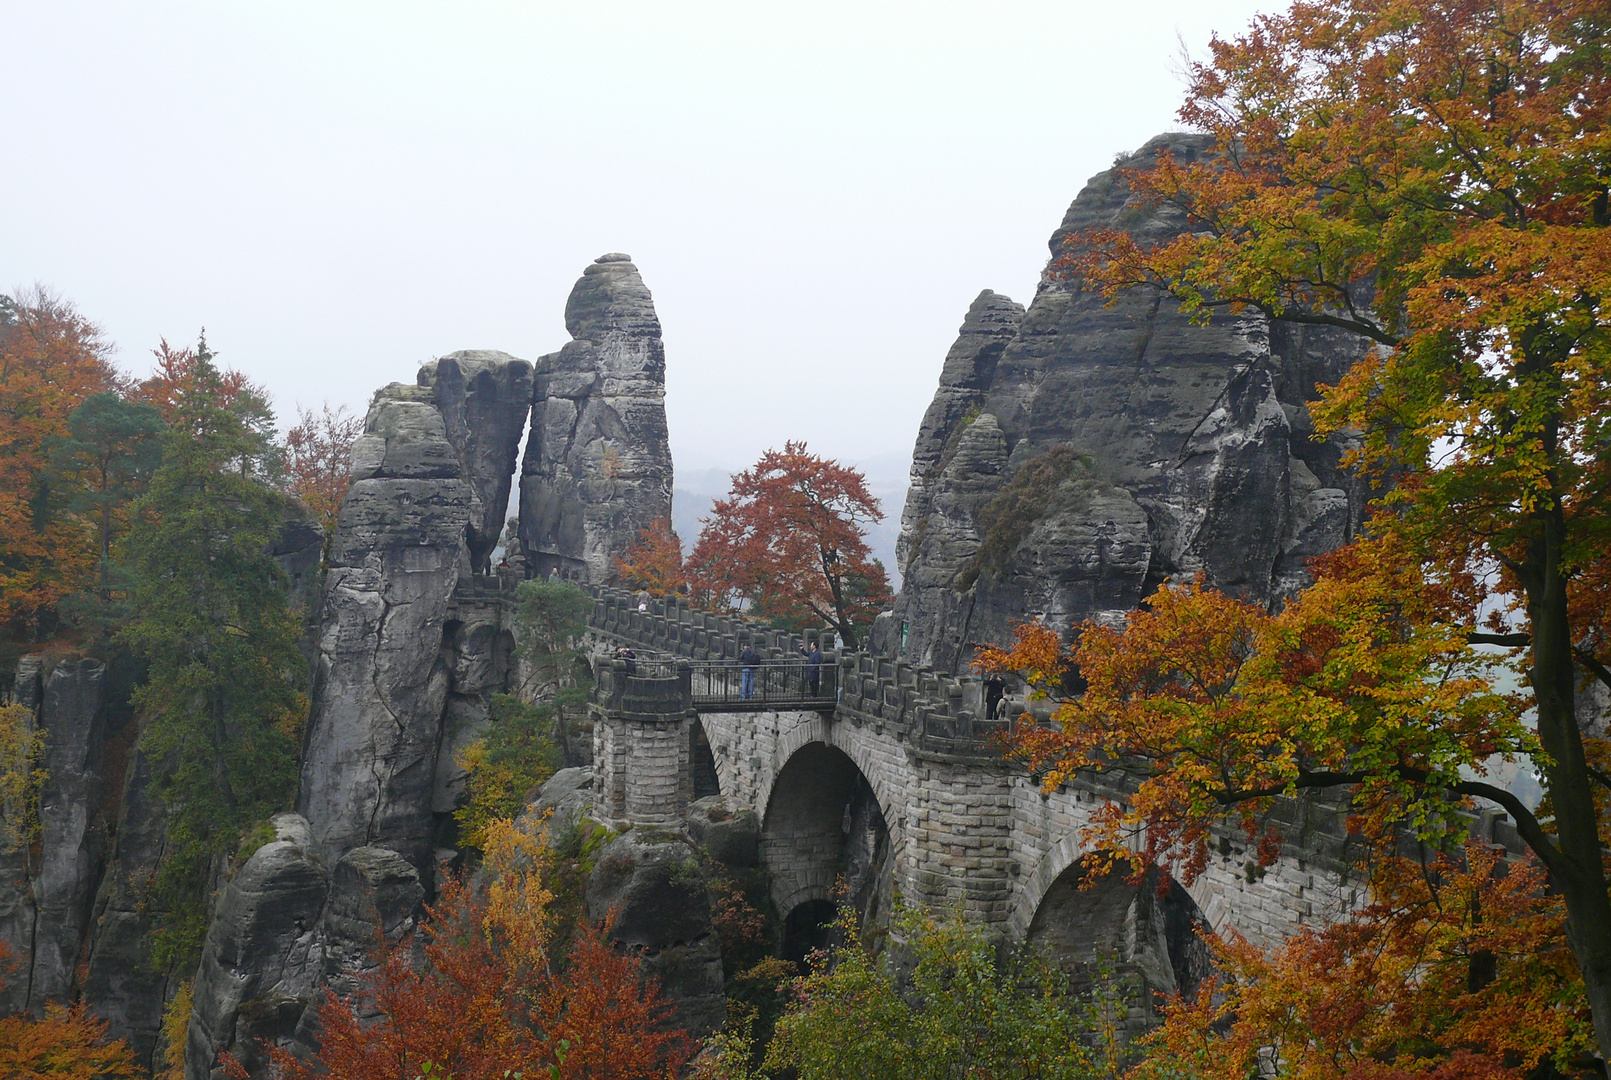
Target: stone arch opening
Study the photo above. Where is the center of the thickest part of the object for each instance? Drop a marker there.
(702, 775)
(824, 839)
(1147, 934)
(808, 929)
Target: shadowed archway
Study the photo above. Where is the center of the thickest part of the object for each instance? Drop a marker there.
(824, 840)
(1147, 934)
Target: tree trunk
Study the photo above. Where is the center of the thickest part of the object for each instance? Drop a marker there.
(1579, 870)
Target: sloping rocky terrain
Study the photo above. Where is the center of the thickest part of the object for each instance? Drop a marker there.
(1076, 455)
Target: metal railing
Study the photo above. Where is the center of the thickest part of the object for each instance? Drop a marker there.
(764, 685)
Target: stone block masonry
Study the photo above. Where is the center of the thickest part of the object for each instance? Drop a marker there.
(968, 831)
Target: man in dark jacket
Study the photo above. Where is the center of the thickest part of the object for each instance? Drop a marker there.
(814, 669)
(751, 660)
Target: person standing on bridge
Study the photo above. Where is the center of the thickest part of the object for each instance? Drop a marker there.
(750, 659)
(814, 669)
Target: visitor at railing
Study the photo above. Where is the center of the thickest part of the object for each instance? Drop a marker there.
(750, 659)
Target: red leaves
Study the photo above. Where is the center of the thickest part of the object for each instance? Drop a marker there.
(789, 543)
(318, 461)
(1213, 706)
(654, 563)
(476, 995)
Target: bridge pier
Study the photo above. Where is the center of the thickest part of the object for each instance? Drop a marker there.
(642, 721)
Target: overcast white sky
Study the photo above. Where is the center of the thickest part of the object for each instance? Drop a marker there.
(814, 192)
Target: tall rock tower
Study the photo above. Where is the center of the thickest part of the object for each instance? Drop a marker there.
(598, 463)
(1076, 455)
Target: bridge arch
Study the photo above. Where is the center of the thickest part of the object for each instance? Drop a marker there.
(823, 823)
(1152, 927)
(704, 775)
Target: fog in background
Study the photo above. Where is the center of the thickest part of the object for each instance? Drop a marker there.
(814, 192)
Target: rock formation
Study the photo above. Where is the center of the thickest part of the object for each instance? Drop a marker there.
(483, 398)
(597, 468)
(47, 889)
(400, 550)
(284, 928)
(1076, 455)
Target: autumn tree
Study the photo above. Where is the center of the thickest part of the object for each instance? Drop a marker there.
(790, 543)
(654, 562)
(318, 461)
(1459, 969)
(51, 360)
(1432, 176)
(67, 1043)
(222, 705)
(180, 375)
(490, 997)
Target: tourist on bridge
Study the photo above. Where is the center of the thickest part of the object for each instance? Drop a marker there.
(995, 690)
(814, 669)
(750, 659)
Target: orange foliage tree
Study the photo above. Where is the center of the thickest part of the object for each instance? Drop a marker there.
(318, 460)
(1432, 176)
(789, 542)
(51, 360)
(1209, 706)
(1455, 970)
(489, 997)
(653, 563)
(68, 1043)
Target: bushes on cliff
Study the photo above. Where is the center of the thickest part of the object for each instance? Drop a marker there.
(1042, 485)
(961, 1012)
(506, 766)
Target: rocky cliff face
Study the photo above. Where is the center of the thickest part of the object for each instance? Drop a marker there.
(597, 468)
(1077, 455)
(284, 927)
(483, 398)
(48, 887)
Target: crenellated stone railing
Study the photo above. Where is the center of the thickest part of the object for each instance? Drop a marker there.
(937, 712)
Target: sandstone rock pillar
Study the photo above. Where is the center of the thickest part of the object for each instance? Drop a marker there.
(597, 468)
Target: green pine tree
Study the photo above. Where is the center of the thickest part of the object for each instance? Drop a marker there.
(222, 707)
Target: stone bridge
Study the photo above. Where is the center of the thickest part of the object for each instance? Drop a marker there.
(891, 786)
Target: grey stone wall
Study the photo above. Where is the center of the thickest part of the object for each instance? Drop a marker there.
(968, 831)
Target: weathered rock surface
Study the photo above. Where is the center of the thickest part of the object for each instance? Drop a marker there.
(124, 985)
(989, 327)
(567, 795)
(1194, 438)
(374, 892)
(731, 835)
(656, 888)
(383, 672)
(48, 887)
(284, 929)
(597, 468)
(483, 397)
(262, 956)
